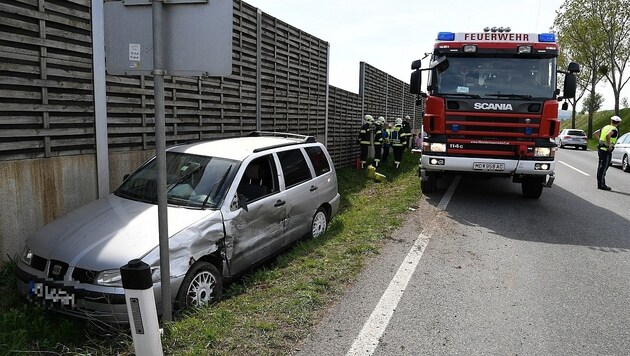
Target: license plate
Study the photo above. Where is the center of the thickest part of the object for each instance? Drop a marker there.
(480, 166)
(46, 295)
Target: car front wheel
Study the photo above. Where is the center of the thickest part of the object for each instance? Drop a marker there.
(202, 285)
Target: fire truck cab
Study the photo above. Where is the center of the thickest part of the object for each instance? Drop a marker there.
(491, 107)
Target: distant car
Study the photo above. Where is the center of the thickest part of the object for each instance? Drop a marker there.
(232, 203)
(621, 153)
(572, 137)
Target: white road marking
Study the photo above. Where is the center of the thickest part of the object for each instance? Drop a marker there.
(368, 339)
(575, 169)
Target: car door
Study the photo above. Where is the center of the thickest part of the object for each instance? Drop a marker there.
(255, 227)
(296, 177)
(618, 152)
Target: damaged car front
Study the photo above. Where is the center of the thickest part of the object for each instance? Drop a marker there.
(72, 265)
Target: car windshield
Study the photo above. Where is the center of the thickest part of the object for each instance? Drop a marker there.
(494, 77)
(576, 133)
(191, 181)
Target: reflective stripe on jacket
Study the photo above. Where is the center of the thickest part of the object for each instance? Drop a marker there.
(365, 135)
(395, 137)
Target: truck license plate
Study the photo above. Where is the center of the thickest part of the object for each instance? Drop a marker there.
(480, 166)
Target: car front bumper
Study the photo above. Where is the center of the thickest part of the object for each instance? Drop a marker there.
(86, 301)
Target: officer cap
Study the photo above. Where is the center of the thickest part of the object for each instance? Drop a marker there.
(615, 118)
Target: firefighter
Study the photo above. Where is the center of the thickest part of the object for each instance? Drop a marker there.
(365, 139)
(397, 141)
(378, 139)
(386, 142)
(406, 132)
(607, 139)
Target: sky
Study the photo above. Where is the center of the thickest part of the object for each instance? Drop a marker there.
(390, 34)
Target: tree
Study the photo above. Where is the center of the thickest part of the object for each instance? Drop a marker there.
(582, 42)
(582, 83)
(593, 102)
(613, 20)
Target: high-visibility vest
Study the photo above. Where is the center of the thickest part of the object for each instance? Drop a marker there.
(602, 137)
(395, 137)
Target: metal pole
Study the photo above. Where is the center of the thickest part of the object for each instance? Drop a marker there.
(160, 156)
(259, 70)
(100, 97)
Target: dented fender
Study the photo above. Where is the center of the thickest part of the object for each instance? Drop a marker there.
(189, 245)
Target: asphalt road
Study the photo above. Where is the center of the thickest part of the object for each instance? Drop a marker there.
(486, 272)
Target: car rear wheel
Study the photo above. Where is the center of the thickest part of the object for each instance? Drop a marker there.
(202, 285)
(625, 165)
(319, 223)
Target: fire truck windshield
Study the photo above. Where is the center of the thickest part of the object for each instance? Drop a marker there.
(479, 77)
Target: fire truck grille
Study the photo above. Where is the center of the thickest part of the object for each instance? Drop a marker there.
(490, 136)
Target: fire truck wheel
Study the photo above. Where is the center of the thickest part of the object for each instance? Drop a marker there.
(532, 187)
(429, 185)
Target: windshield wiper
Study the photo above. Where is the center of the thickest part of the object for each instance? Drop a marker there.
(518, 96)
(474, 96)
(216, 186)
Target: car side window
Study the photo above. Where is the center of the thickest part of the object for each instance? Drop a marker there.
(260, 179)
(319, 160)
(294, 167)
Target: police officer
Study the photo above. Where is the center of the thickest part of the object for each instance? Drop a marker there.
(378, 139)
(365, 139)
(607, 139)
(397, 141)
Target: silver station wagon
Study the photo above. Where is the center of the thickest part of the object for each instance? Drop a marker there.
(232, 203)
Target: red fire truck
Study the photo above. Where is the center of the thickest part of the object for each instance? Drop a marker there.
(491, 107)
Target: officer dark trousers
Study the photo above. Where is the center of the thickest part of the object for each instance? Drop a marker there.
(602, 166)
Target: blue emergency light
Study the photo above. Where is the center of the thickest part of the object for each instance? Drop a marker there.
(455, 127)
(546, 37)
(446, 36)
(529, 131)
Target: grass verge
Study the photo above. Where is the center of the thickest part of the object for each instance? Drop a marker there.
(264, 313)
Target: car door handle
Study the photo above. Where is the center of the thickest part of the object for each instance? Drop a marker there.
(313, 188)
(279, 203)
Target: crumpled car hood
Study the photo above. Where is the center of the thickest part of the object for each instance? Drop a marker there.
(108, 232)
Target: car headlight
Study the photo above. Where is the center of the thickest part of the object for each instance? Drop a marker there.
(109, 278)
(438, 147)
(27, 255)
(542, 152)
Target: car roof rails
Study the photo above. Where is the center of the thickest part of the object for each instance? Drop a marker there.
(304, 138)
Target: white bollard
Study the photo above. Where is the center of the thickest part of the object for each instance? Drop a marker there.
(143, 320)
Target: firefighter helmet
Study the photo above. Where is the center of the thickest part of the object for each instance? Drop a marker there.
(381, 120)
(615, 118)
(369, 119)
(398, 121)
